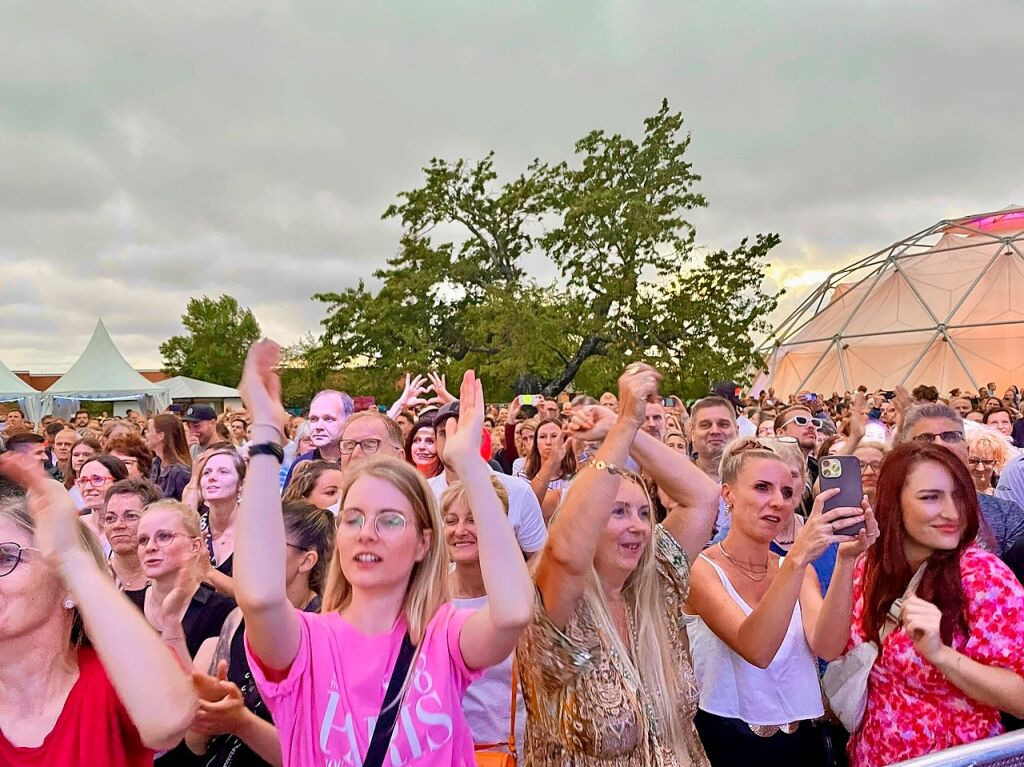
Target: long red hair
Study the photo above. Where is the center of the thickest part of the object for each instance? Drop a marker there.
(886, 570)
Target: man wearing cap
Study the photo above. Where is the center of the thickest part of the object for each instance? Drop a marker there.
(201, 426)
(524, 512)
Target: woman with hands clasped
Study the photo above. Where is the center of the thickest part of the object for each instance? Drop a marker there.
(84, 679)
(387, 621)
(605, 669)
(757, 621)
(954, 661)
(550, 465)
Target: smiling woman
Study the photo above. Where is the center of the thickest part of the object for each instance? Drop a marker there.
(943, 679)
(387, 622)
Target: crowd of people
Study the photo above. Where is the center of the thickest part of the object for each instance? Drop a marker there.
(615, 580)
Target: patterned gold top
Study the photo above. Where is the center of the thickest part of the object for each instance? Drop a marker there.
(585, 707)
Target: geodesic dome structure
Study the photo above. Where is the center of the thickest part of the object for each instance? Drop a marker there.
(943, 307)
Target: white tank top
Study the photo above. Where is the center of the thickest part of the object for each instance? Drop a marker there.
(786, 691)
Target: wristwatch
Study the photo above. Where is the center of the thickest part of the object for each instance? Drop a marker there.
(268, 448)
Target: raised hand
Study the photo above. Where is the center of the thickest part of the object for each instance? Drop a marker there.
(55, 514)
(169, 613)
(440, 387)
(638, 385)
(858, 417)
(592, 423)
(865, 538)
(818, 532)
(464, 434)
(413, 391)
(260, 386)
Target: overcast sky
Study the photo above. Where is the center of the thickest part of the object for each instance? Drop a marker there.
(150, 152)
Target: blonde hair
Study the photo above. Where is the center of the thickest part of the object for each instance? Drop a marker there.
(15, 508)
(188, 516)
(989, 441)
(738, 452)
(456, 493)
(428, 582)
(654, 662)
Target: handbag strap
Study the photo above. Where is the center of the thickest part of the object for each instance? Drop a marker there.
(892, 621)
(512, 713)
(385, 724)
(511, 744)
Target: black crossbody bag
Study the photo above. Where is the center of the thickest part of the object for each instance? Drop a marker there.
(389, 710)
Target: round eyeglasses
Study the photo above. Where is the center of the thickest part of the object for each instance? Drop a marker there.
(12, 554)
(388, 524)
(162, 538)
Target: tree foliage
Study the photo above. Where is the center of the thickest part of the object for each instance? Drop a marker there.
(219, 334)
(611, 225)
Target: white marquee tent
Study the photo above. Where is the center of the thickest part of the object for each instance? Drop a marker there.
(184, 389)
(943, 307)
(13, 389)
(102, 374)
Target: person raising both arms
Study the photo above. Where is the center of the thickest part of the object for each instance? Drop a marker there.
(83, 676)
(386, 600)
(605, 667)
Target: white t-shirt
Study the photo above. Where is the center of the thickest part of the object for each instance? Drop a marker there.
(524, 512)
(487, 701)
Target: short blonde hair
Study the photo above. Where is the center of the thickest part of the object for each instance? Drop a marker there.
(456, 493)
(188, 516)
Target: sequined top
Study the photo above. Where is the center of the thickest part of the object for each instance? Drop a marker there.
(585, 706)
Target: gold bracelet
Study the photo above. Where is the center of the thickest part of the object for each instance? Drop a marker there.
(611, 468)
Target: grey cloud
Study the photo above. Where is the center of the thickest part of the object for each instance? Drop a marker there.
(148, 155)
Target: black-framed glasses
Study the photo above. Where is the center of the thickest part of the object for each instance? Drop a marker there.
(802, 420)
(366, 445)
(11, 555)
(949, 437)
(388, 524)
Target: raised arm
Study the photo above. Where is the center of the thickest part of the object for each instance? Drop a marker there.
(758, 636)
(155, 690)
(272, 625)
(410, 395)
(568, 556)
(491, 633)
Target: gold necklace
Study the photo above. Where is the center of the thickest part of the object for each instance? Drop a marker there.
(748, 569)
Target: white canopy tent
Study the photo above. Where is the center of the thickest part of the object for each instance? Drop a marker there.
(102, 374)
(13, 389)
(942, 307)
(184, 389)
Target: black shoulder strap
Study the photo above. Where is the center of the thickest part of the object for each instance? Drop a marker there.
(389, 711)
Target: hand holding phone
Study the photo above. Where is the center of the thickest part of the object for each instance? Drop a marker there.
(843, 473)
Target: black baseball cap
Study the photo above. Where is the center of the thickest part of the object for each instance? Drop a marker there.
(199, 413)
(450, 410)
(729, 390)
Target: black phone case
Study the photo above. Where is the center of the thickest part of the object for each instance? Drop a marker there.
(843, 472)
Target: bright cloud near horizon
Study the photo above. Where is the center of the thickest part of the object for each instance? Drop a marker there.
(151, 153)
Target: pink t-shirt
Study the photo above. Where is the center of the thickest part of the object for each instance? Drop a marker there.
(326, 707)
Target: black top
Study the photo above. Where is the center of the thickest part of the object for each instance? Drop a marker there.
(138, 598)
(229, 750)
(203, 619)
(171, 479)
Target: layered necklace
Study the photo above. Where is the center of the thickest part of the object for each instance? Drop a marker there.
(756, 573)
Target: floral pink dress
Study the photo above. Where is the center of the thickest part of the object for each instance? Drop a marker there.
(912, 709)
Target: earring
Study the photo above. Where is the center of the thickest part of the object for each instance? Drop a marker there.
(69, 604)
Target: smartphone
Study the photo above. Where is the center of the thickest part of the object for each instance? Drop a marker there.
(843, 472)
(668, 401)
(527, 399)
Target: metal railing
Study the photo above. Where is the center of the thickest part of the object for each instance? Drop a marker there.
(1003, 751)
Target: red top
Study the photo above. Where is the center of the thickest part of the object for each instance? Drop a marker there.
(93, 729)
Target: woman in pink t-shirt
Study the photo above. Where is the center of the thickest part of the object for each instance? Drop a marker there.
(324, 676)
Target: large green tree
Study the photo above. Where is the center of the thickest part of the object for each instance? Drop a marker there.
(610, 232)
(219, 334)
